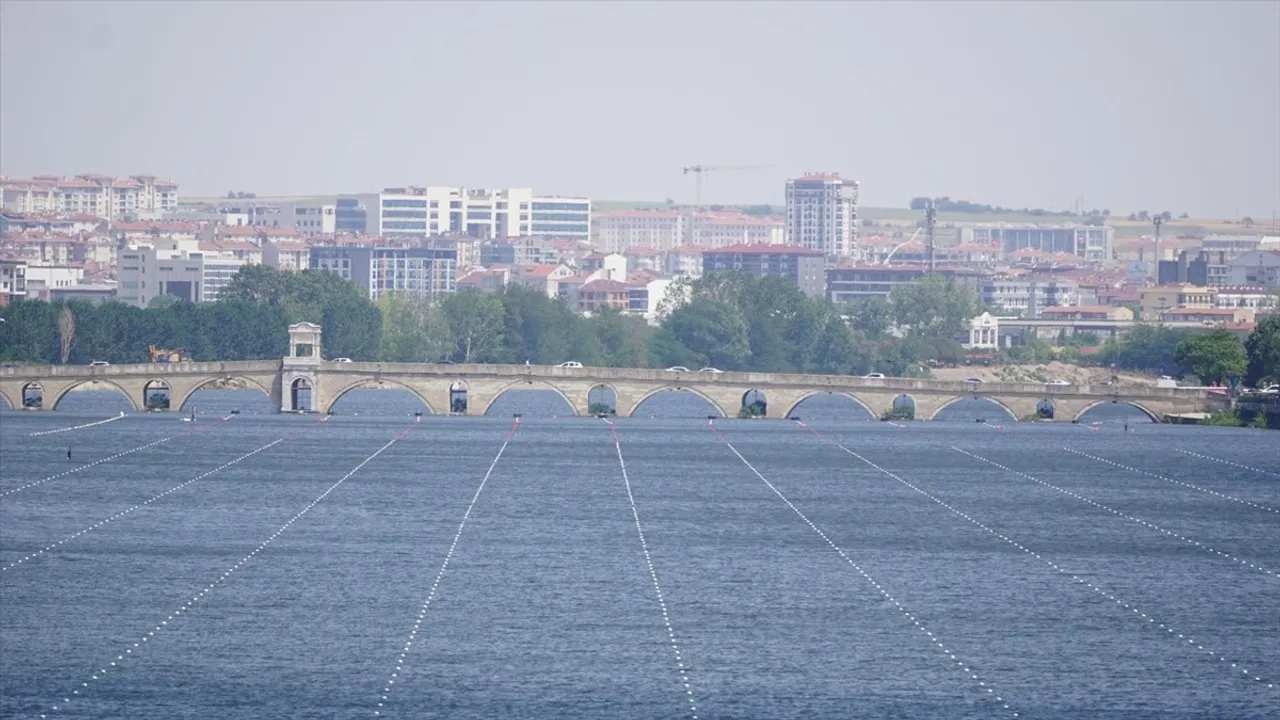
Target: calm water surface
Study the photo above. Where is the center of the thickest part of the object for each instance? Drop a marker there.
(1052, 577)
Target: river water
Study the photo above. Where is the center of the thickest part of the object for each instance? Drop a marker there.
(837, 568)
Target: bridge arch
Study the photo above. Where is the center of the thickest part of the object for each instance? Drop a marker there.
(215, 378)
(676, 388)
(133, 403)
(362, 382)
(530, 384)
(816, 393)
(993, 400)
(1118, 401)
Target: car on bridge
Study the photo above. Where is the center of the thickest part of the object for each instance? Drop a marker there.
(711, 370)
(678, 368)
(99, 363)
(1057, 382)
(341, 360)
(570, 364)
(873, 376)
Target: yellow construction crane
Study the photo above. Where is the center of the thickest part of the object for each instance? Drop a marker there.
(702, 169)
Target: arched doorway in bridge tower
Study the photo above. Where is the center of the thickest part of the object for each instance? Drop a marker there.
(754, 404)
(1045, 409)
(458, 398)
(904, 408)
(33, 395)
(602, 400)
(302, 395)
(156, 395)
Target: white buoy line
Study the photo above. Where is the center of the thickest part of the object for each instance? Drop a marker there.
(1132, 518)
(153, 498)
(189, 604)
(653, 575)
(1158, 476)
(109, 458)
(435, 584)
(77, 427)
(1165, 628)
(1232, 463)
(910, 616)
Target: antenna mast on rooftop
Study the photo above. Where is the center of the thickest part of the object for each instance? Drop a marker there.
(930, 220)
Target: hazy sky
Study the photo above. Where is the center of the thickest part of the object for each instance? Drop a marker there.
(1160, 106)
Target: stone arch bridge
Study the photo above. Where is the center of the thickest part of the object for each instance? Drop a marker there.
(437, 385)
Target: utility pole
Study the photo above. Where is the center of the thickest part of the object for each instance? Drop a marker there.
(930, 220)
(1157, 220)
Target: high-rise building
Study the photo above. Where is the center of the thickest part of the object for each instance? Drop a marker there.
(822, 214)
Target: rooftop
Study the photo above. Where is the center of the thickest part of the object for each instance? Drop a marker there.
(762, 249)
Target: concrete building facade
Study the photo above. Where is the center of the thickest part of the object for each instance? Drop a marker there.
(100, 195)
(428, 272)
(800, 265)
(822, 214)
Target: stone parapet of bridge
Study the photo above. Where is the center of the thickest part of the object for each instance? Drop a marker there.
(484, 384)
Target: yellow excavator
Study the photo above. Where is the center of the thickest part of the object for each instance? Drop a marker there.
(168, 355)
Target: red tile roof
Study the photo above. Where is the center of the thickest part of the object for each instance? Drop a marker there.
(1073, 309)
(762, 249)
(605, 286)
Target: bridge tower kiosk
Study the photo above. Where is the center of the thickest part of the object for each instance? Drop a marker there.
(299, 371)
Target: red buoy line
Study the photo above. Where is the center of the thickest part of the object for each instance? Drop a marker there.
(435, 584)
(1129, 607)
(964, 666)
(136, 647)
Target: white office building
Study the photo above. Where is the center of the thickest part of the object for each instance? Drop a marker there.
(822, 214)
(176, 267)
(486, 214)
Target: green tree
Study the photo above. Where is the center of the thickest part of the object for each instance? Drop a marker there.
(873, 316)
(933, 307)
(475, 326)
(623, 338)
(1263, 351)
(414, 329)
(714, 332)
(1214, 356)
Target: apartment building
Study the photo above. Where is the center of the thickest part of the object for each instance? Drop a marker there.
(620, 230)
(1256, 267)
(723, 229)
(100, 195)
(1222, 250)
(643, 258)
(13, 281)
(561, 217)
(486, 214)
(1087, 312)
(1155, 301)
(422, 271)
(802, 266)
(1028, 297)
(822, 214)
(851, 283)
(174, 269)
(685, 260)
(1089, 242)
(527, 250)
(543, 278)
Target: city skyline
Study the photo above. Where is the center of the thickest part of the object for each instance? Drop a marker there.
(1171, 110)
